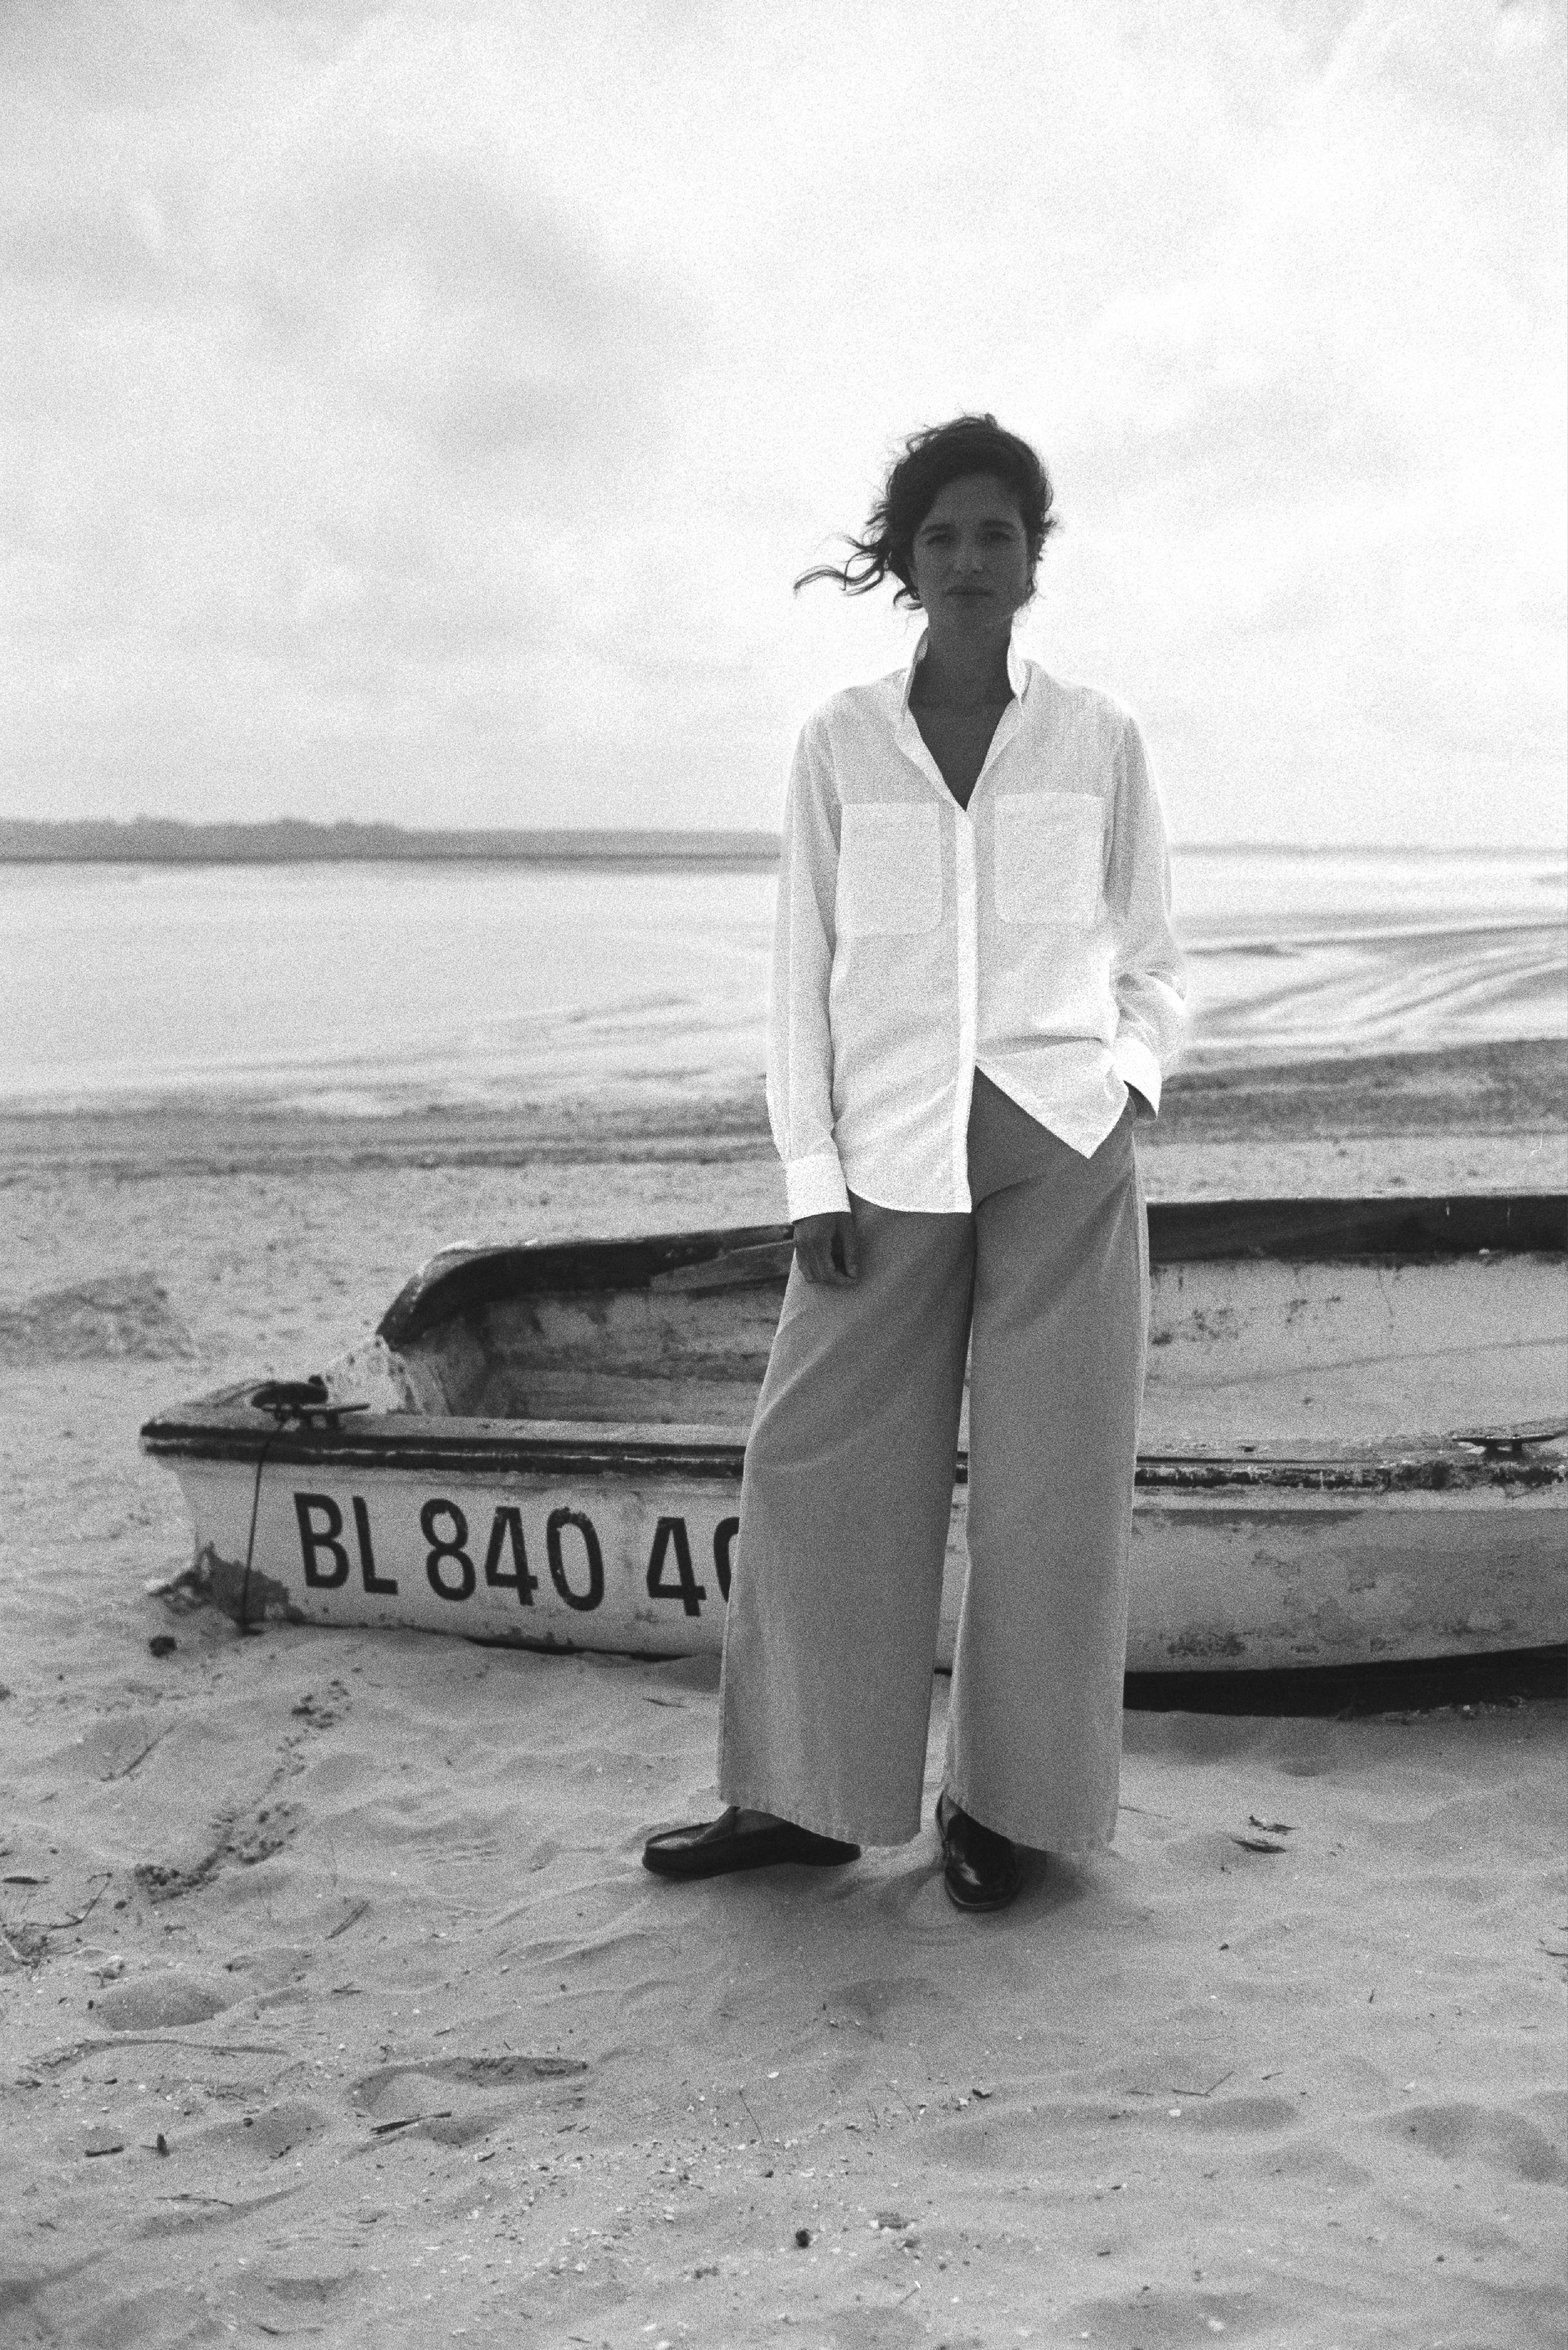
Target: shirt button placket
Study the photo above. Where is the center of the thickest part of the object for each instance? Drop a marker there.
(967, 913)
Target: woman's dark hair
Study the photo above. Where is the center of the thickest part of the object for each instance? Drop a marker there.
(931, 460)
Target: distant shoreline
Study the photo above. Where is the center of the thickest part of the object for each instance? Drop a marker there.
(145, 840)
(167, 841)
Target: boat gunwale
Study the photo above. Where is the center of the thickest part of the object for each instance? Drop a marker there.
(409, 1443)
(1391, 1230)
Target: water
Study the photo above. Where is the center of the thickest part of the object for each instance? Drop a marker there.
(367, 989)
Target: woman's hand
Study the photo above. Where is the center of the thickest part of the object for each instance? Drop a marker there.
(824, 1249)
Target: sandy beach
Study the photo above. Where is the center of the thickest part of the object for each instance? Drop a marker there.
(336, 2004)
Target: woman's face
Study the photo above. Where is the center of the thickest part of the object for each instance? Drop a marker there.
(970, 557)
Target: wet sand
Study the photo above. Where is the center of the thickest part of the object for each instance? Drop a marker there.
(355, 1924)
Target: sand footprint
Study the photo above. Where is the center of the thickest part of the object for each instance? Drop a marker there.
(454, 2099)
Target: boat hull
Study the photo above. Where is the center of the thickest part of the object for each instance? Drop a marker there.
(569, 1537)
(544, 1445)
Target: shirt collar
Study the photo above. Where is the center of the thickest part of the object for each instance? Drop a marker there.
(1017, 672)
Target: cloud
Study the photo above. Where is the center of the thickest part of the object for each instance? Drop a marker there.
(99, 250)
(425, 412)
(452, 302)
(1328, 473)
(316, 411)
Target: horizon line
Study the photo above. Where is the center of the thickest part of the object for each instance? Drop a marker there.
(529, 839)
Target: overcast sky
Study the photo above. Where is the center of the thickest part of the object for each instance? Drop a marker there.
(423, 412)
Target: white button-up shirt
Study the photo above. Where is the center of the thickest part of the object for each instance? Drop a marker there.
(1027, 935)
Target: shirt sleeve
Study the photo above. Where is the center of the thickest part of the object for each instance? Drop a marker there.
(1147, 972)
(800, 1040)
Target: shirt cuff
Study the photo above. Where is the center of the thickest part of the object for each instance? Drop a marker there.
(816, 1186)
(1135, 1066)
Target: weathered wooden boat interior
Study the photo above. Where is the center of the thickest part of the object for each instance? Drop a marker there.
(1303, 1322)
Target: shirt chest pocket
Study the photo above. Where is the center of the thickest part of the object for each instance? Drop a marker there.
(889, 869)
(1047, 852)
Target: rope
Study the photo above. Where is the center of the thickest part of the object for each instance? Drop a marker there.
(251, 1538)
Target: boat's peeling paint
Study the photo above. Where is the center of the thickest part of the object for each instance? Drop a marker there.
(1433, 1472)
(1480, 1622)
(1242, 1520)
(1194, 1645)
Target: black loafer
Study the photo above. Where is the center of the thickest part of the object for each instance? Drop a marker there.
(981, 1870)
(714, 1847)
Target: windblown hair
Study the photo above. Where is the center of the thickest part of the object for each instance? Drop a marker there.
(931, 460)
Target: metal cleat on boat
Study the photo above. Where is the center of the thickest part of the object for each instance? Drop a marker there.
(304, 1401)
(1510, 1443)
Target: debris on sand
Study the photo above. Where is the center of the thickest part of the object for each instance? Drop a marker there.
(115, 1317)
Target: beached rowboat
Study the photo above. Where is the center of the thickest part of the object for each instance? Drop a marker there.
(1354, 1444)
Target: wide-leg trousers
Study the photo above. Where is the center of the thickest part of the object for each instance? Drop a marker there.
(846, 1494)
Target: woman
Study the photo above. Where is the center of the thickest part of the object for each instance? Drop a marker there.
(975, 991)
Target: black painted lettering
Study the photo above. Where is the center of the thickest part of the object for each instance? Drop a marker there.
(671, 1536)
(724, 1535)
(443, 1549)
(507, 1529)
(583, 1601)
(316, 1539)
(372, 1581)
